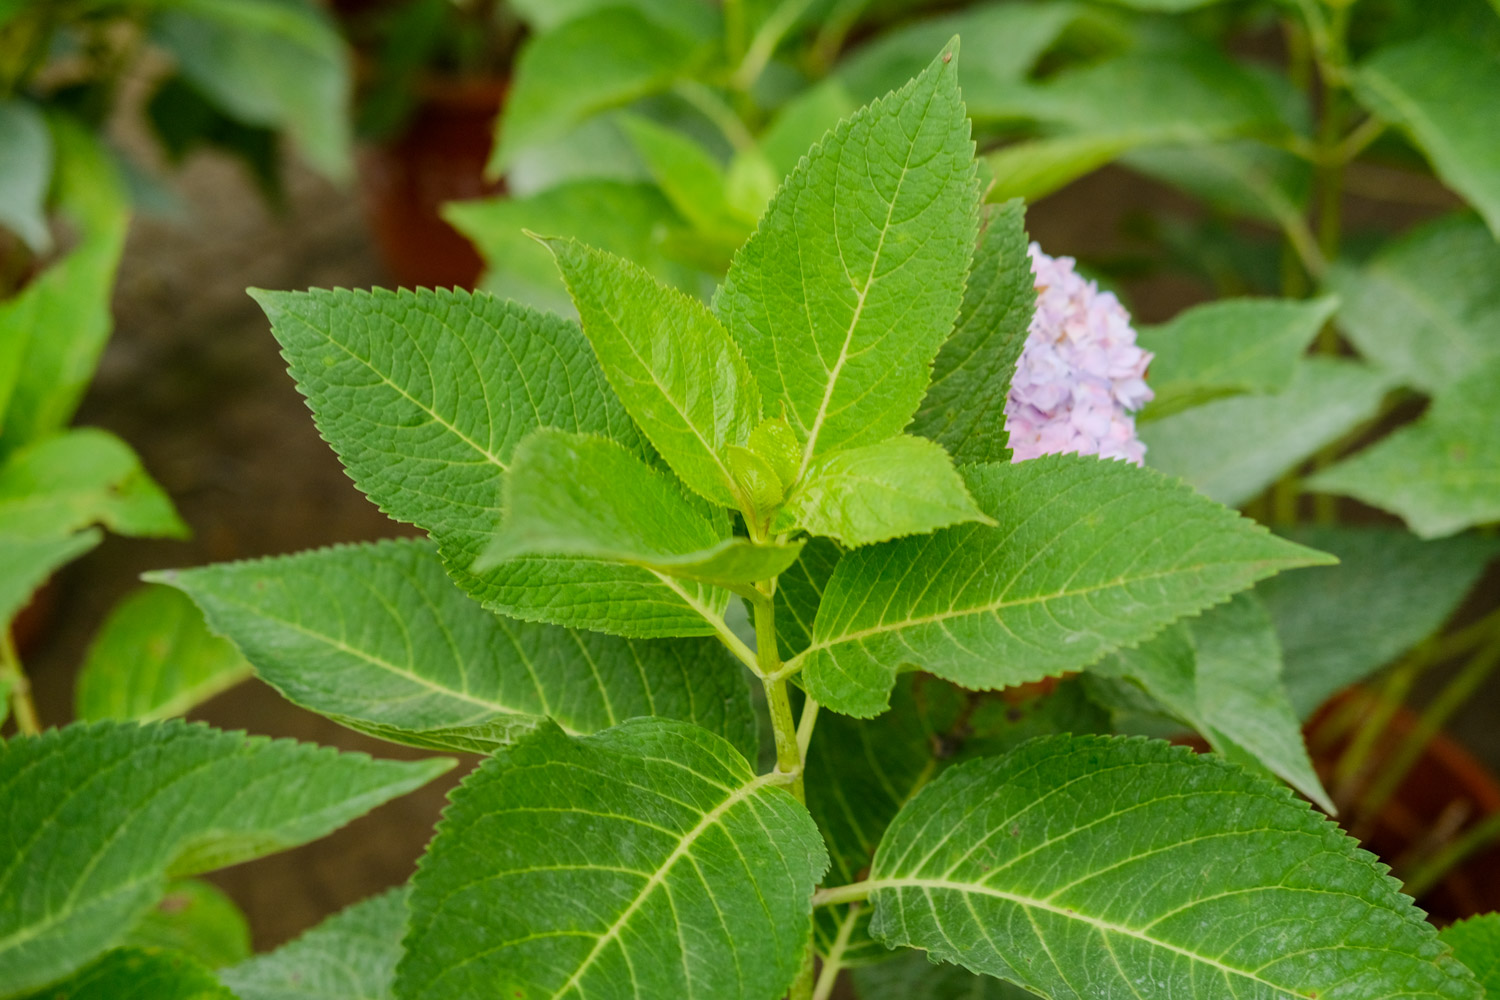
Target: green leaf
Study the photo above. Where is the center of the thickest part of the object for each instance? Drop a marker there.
(861, 772)
(964, 410)
(1427, 306)
(1476, 943)
(277, 63)
(914, 974)
(71, 480)
(154, 658)
(1442, 88)
(698, 874)
(424, 396)
(100, 814)
(1390, 590)
(1090, 555)
(1243, 177)
(581, 495)
(1221, 674)
(687, 174)
(601, 60)
(351, 954)
(140, 974)
(1034, 168)
(1011, 38)
(623, 218)
(1232, 449)
(1229, 347)
(26, 563)
(670, 361)
(25, 173)
(197, 918)
(844, 294)
(43, 378)
(1440, 474)
(1150, 97)
(688, 16)
(379, 639)
(904, 486)
(1186, 873)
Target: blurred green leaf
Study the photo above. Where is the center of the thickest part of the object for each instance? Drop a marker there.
(912, 973)
(1243, 177)
(689, 16)
(1440, 474)
(137, 974)
(277, 63)
(1232, 449)
(185, 121)
(1443, 89)
(1427, 306)
(1390, 590)
(1221, 673)
(80, 477)
(52, 333)
(25, 173)
(1229, 347)
(26, 563)
(154, 658)
(350, 955)
(196, 918)
(687, 174)
(603, 59)
(625, 219)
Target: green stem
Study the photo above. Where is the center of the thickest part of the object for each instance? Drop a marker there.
(1480, 836)
(1456, 693)
(717, 110)
(21, 704)
(834, 962)
(1354, 763)
(763, 46)
(855, 892)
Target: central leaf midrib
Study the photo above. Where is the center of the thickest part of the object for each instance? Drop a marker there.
(1068, 913)
(859, 308)
(658, 877)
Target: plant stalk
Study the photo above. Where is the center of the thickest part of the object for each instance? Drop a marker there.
(21, 704)
(1430, 873)
(828, 976)
(1448, 700)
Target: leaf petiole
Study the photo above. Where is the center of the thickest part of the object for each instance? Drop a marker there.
(854, 892)
(27, 721)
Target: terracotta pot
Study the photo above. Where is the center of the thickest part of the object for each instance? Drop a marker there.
(440, 158)
(1446, 792)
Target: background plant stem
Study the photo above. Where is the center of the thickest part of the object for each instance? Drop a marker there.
(20, 688)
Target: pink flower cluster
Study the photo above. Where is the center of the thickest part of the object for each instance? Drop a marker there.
(1081, 374)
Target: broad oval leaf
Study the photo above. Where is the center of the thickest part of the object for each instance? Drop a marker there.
(378, 638)
(1441, 88)
(1089, 555)
(351, 954)
(1115, 868)
(425, 395)
(1390, 590)
(1232, 449)
(1221, 674)
(1229, 347)
(140, 974)
(154, 658)
(697, 873)
(671, 363)
(1427, 306)
(81, 477)
(600, 60)
(198, 918)
(1442, 473)
(100, 814)
(851, 283)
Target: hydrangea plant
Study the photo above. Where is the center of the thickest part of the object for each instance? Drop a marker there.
(823, 447)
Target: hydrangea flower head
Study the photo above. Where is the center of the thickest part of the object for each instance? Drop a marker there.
(1081, 375)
